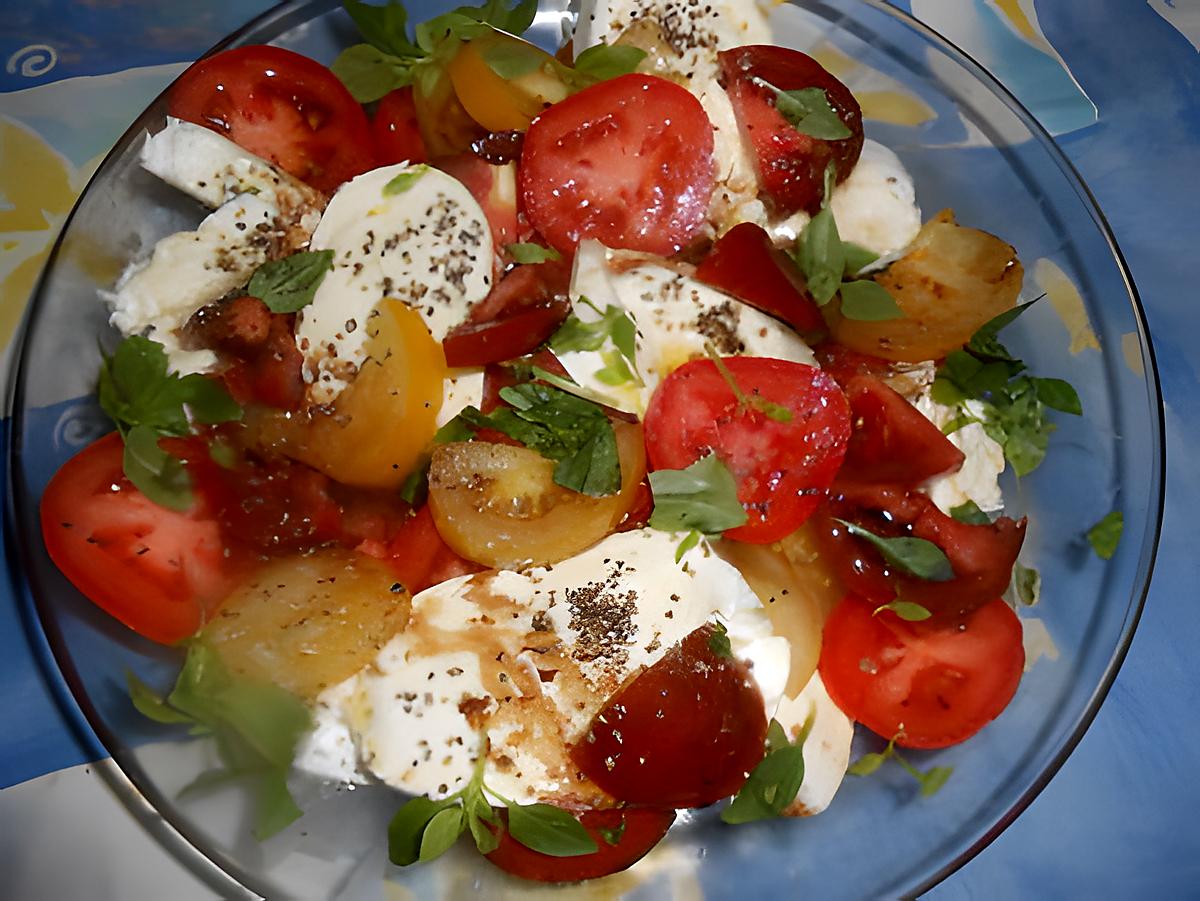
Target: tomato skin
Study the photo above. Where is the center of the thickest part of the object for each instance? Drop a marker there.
(791, 166)
(844, 364)
(628, 161)
(982, 556)
(644, 827)
(395, 130)
(783, 469)
(475, 344)
(892, 441)
(161, 573)
(931, 685)
(418, 555)
(683, 733)
(282, 106)
(745, 263)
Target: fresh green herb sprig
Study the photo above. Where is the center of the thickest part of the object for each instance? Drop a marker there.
(256, 726)
(1010, 404)
(528, 253)
(809, 111)
(906, 610)
(147, 403)
(405, 180)
(289, 285)
(1105, 535)
(752, 401)
(774, 783)
(915, 556)
(701, 498)
(614, 326)
(931, 780)
(424, 829)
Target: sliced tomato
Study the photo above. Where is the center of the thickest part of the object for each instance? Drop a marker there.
(892, 442)
(281, 106)
(521, 288)
(623, 836)
(982, 556)
(161, 573)
(419, 556)
(684, 733)
(395, 129)
(791, 165)
(503, 339)
(747, 265)
(628, 161)
(494, 188)
(931, 685)
(844, 364)
(782, 468)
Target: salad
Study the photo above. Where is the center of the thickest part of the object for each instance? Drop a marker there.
(564, 440)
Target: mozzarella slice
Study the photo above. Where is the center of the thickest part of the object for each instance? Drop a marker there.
(979, 478)
(188, 270)
(826, 749)
(675, 316)
(462, 388)
(424, 241)
(529, 658)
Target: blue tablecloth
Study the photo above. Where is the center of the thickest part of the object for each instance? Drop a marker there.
(1118, 81)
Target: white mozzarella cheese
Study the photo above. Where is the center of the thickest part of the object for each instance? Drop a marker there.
(462, 388)
(188, 270)
(213, 170)
(826, 749)
(427, 244)
(979, 478)
(529, 658)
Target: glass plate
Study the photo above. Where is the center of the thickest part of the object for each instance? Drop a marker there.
(981, 154)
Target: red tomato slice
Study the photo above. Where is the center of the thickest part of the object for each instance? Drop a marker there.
(161, 573)
(782, 468)
(844, 364)
(503, 339)
(419, 556)
(747, 265)
(281, 106)
(932, 685)
(627, 161)
(394, 127)
(521, 288)
(892, 441)
(791, 166)
(684, 733)
(982, 556)
(623, 836)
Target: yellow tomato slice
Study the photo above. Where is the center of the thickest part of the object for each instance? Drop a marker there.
(498, 103)
(381, 424)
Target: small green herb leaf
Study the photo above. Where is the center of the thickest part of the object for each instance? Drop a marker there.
(384, 27)
(151, 705)
(932, 780)
(808, 111)
(866, 765)
(415, 487)
(773, 411)
(613, 836)
(689, 541)
(513, 59)
(441, 832)
(868, 301)
(1105, 535)
(405, 180)
(407, 828)
(154, 472)
(456, 429)
(486, 840)
(1026, 585)
(857, 258)
(1059, 395)
(906, 610)
(289, 285)
(369, 73)
(771, 786)
(703, 497)
(968, 511)
(602, 62)
(527, 253)
(821, 256)
(776, 736)
(718, 641)
(984, 344)
(549, 830)
(915, 556)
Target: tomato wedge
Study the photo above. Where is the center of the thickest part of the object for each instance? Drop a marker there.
(782, 468)
(395, 129)
(745, 263)
(623, 836)
(161, 573)
(791, 165)
(628, 161)
(930, 685)
(502, 339)
(418, 555)
(281, 106)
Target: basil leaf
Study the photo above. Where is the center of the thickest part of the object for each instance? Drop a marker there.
(154, 472)
(968, 511)
(384, 27)
(603, 62)
(407, 827)
(857, 258)
(703, 497)
(984, 344)
(274, 807)
(933, 780)
(866, 765)
(1058, 395)
(512, 59)
(288, 285)
(223, 454)
(770, 787)
(595, 468)
(415, 487)
(456, 429)
(576, 335)
(906, 610)
(404, 180)
(718, 641)
(441, 833)
(527, 253)
(613, 836)
(150, 705)
(821, 257)
(915, 556)
(369, 74)
(689, 541)
(809, 111)
(549, 830)
(1105, 535)
(776, 736)
(1026, 585)
(615, 371)
(868, 301)
(486, 840)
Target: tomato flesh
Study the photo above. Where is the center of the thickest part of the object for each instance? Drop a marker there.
(477, 344)
(161, 573)
(782, 469)
(623, 836)
(395, 130)
(281, 106)
(791, 165)
(931, 685)
(628, 161)
(418, 554)
(684, 733)
(747, 265)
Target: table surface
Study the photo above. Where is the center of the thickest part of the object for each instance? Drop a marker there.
(1120, 90)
